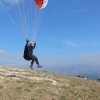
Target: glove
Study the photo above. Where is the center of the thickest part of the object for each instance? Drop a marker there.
(34, 44)
(27, 40)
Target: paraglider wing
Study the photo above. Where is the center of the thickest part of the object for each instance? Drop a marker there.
(26, 15)
(41, 3)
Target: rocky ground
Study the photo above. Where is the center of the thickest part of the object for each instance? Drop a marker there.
(24, 84)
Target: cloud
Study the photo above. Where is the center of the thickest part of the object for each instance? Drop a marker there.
(83, 54)
(57, 50)
(18, 55)
(85, 58)
(13, 64)
(71, 43)
(3, 52)
(79, 42)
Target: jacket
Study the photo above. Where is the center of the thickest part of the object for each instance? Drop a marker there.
(30, 49)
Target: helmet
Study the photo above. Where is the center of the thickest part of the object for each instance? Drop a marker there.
(32, 42)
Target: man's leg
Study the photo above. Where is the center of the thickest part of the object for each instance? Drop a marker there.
(32, 62)
(35, 59)
(37, 62)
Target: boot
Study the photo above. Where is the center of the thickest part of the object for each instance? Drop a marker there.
(39, 66)
(31, 67)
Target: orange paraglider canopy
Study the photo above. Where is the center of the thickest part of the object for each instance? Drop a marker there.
(41, 3)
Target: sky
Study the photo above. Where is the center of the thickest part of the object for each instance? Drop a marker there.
(69, 34)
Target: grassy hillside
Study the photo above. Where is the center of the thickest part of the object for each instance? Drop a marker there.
(23, 84)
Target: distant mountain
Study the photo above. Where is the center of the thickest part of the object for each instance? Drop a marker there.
(89, 71)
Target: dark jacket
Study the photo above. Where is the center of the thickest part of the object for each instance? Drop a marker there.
(30, 49)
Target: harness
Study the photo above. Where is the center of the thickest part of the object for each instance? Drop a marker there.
(26, 57)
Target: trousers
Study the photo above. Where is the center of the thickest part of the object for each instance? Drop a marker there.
(33, 58)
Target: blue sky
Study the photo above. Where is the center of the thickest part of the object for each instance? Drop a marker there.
(69, 33)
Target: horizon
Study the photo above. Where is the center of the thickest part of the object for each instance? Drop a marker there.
(68, 35)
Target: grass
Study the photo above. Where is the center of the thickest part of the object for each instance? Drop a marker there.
(62, 98)
(1, 86)
(67, 88)
(18, 89)
(27, 90)
(32, 99)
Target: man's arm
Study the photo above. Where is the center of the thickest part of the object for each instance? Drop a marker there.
(27, 42)
(34, 45)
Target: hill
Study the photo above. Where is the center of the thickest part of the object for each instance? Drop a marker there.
(24, 84)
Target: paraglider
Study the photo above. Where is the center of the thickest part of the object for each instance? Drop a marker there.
(28, 54)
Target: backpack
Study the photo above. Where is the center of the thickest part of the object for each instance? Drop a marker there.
(25, 55)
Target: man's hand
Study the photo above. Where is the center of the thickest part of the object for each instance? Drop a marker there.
(27, 40)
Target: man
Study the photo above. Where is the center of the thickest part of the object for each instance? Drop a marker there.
(28, 54)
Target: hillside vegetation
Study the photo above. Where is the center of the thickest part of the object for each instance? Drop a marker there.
(24, 84)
